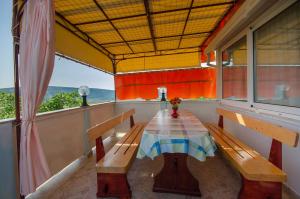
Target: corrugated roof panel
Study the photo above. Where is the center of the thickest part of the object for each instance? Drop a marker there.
(131, 22)
(142, 46)
(163, 5)
(203, 25)
(168, 29)
(210, 2)
(208, 12)
(78, 11)
(120, 8)
(133, 28)
(118, 48)
(106, 37)
(136, 33)
(187, 42)
(170, 43)
(67, 6)
(127, 26)
(170, 17)
(96, 27)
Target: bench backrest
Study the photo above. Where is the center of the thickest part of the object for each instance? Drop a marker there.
(100, 129)
(96, 132)
(274, 131)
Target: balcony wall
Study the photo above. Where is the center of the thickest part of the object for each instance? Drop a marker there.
(145, 110)
(63, 137)
(8, 166)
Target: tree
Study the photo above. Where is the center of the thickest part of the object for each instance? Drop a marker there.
(7, 105)
(61, 101)
(57, 102)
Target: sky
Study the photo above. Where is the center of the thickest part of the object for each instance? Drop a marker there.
(66, 73)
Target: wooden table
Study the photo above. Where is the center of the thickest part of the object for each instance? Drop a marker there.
(175, 139)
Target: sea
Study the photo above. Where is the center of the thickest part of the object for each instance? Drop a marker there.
(96, 95)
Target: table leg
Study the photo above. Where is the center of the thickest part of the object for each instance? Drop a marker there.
(175, 177)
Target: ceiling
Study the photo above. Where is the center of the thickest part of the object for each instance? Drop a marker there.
(124, 29)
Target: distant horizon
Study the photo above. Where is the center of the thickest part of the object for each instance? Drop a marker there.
(65, 87)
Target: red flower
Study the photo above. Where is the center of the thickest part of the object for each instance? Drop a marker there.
(175, 101)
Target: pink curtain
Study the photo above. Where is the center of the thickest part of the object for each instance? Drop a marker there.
(37, 55)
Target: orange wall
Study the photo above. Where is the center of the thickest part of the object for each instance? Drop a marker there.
(187, 84)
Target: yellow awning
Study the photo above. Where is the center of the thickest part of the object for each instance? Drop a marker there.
(138, 35)
(159, 62)
(68, 44)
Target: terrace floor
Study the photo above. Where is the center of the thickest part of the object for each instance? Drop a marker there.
(216, 180)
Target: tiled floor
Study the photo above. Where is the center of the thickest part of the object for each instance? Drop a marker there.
(216, 179)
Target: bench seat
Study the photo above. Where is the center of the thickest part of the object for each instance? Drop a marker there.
(112, 167)
(261, 178)
(122, 154)
(250, 163)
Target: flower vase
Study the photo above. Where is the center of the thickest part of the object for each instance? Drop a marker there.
(175, 114)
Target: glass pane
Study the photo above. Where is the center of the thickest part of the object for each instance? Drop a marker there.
(234, 64)
(277, 59)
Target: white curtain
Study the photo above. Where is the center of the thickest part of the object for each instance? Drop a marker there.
(36, 64)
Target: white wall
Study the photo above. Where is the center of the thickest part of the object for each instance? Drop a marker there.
(63, 133)
(205, 110)
(145, 110)
(8, 161)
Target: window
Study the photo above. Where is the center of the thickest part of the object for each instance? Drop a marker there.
(277, 59)
(234, 70)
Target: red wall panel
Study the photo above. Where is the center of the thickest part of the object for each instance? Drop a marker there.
(193, 83)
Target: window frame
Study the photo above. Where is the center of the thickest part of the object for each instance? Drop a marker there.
(250, 104)
(233, 41)
(254, 63)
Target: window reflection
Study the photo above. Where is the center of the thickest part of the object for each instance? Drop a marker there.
(234, 62)
(277, 59)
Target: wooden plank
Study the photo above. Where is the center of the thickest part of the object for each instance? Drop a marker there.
(127, 143)
(119, 144)
(250, 164)
(103, 127)
(136, 142)
(236, 141)
(277, 132)
(120, 157)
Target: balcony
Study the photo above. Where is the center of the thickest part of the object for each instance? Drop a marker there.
(234, 64)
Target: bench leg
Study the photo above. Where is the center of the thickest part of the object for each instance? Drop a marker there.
(113, 185)
(260, 190)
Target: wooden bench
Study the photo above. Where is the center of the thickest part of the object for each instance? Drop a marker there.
(261, 178)
(113, 166)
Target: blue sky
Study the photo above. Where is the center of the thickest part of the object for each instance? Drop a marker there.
(66, 73)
